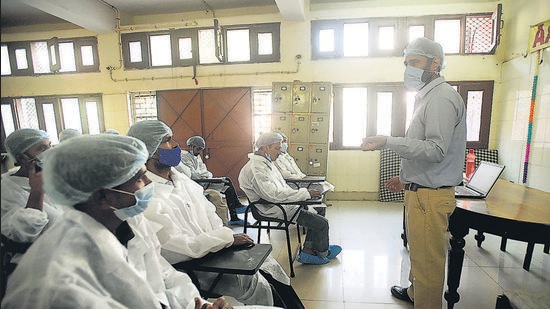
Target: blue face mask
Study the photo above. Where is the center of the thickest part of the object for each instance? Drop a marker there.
(142, 196)
(284, 147)
(413, 78)
(268, 157)
(170, 157)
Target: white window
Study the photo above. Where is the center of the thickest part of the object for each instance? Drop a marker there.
(384, 113)
(66, 57)
(238, 45)
(447, 33)
(356, 39)
(161, 53)
(355, 115)
(261, 102)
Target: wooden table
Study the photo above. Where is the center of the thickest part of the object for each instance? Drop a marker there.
(511, 210)
(240, 260)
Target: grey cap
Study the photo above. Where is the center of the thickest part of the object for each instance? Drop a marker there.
(150, 132)
(425, 47)
(196, 141)
(74, 170)
(21, 140)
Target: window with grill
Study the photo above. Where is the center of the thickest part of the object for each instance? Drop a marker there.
(71, 55)
(378, 37)
(261, 109)
(143, 105)
(53, 114)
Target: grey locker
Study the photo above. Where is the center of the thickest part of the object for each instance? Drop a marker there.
(317, 160)
(281, 101)
(319, 128)
(300, 154)
(281, 123)
(301, 93)
(299, 132)
(321, 97)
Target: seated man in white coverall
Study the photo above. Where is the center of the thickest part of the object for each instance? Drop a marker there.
(260, 179)
(192, 159)
(290, 170)
(91, 257)
(26, 210)
(191, 229)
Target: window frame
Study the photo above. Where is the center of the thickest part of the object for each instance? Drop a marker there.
(401, 25)
(54, 68)
(39, 101)
(399, 110)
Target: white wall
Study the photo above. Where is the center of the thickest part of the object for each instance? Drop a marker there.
(513, 96)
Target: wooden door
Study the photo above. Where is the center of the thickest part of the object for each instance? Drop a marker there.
(223, 117)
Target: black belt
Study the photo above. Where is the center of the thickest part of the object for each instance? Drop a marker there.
(414, 187)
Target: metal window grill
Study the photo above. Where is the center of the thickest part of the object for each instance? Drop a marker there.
(143, 106)
(479, 34)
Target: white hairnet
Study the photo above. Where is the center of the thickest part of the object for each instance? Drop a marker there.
(68, 133)
(196, 141)
(21, 140)
(151, 132)
(425, 47)
(73, 171)
(112, 131)
(268, 138)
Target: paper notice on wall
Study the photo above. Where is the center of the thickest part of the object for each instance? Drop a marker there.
(521, 118)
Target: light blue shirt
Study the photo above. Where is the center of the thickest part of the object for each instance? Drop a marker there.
(432, 151)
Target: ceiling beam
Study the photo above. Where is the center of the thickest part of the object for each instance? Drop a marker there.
(292, 10)
(94, 16)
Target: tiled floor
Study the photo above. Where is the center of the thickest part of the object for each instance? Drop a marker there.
(374, 259)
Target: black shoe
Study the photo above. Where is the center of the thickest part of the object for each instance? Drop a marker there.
(401, 293)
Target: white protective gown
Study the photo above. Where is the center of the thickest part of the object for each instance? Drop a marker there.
(290, 170)
(260, 178)
(23, 224)
(78, 263)
(191, 229)
(198, 168)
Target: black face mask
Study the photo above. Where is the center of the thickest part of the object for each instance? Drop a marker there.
(37, 162)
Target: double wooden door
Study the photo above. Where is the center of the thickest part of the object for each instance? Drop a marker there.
(223, 117)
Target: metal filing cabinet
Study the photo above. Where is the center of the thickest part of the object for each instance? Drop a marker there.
(301, 110)
(321, 98)
(281, 95)
(281, 122)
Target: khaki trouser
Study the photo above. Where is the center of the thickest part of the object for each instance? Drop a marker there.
(217, 199)
(427, 219)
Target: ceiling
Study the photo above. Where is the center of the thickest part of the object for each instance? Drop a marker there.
(16, 13)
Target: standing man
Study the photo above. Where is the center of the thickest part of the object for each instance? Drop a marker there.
(192, 159)
(432, 158)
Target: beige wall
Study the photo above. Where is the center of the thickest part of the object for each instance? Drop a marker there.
(350, 171)
(513, 95)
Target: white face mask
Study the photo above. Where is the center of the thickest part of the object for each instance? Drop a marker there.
(142, 196)
(284, 147)
(412, 78)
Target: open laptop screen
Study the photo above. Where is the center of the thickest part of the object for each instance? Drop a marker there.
(485, 176)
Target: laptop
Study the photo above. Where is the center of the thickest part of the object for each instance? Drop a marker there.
(482, 181)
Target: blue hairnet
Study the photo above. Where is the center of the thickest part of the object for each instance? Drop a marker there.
(21, 140)
(196, 141)
(68, 133)
(73, 171)
(151, 132)
(268, 138)
(283, 135)
(425, 47)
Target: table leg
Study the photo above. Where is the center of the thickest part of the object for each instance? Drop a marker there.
(528, 256)
(503, 242)
(479, 237)
(456, 259)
